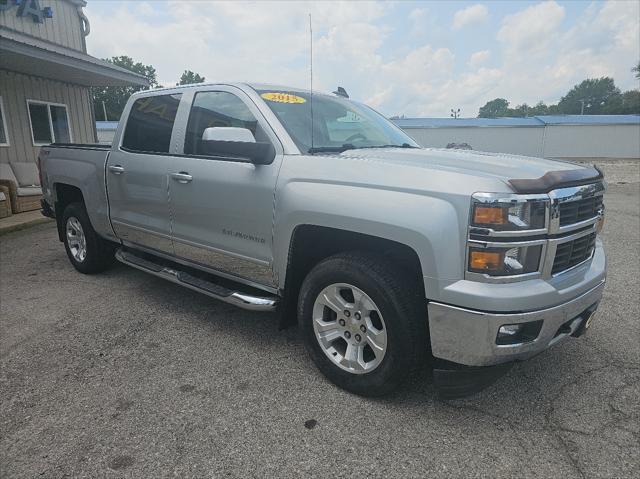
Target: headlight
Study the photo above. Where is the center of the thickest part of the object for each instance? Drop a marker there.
(508, 212)
(507, 261)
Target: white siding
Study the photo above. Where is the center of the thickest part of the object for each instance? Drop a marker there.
(106, 136)
(517, 140)
(550, 141)
(16, 89)
(63, 29)
(592, 141)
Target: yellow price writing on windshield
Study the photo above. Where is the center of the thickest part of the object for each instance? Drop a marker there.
(283, 97)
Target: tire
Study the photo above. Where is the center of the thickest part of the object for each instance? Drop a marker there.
(400, 313)
(87, 251)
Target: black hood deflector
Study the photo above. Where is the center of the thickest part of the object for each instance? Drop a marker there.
(557, 179)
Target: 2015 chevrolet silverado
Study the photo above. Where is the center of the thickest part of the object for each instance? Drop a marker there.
(390, 256)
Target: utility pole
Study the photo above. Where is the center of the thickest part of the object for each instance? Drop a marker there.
(104, 111)
(455, 113)
(582, 102)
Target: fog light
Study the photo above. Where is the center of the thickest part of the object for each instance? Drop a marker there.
(518, 333)
(509, 330)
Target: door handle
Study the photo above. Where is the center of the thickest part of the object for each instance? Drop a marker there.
(116, 169)
(182, 177)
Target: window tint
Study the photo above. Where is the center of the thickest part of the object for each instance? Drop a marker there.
(150, 123)
(217, 108)
(40, 123)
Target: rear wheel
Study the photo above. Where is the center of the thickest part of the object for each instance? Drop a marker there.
(364, 322)
(87, 251)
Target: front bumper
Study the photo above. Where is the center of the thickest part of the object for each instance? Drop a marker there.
(468, 337)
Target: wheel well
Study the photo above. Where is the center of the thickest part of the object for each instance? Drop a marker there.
(311, 244)
(65, 195)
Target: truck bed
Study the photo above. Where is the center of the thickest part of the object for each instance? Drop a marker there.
(82, 146)
(79, 166)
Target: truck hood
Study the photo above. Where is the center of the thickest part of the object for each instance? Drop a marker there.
(498, 166)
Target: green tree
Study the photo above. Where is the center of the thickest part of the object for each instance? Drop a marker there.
(593, 96)
(494, 108)
(542, 109)
(637, 70)
(115, 97)
(520, 111)
(599, 95)
(630, 103)
(189, 77)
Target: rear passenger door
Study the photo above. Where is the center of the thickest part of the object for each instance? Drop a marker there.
(136, 174)
(223, 214)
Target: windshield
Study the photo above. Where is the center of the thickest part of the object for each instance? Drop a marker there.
(338, 124)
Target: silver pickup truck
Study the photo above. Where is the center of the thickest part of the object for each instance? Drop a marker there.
(391, 257)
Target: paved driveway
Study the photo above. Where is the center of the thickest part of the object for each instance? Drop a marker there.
(124, 375)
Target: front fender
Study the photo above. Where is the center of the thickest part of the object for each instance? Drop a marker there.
(430, 226)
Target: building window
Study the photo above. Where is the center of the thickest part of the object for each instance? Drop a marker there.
(49, 123)
(4, 136)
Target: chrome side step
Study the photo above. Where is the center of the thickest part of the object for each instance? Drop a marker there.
(183, 278)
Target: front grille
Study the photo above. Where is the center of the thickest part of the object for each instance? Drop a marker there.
(579, 210)
(573, 252)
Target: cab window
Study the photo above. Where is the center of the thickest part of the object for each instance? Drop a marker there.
(150, 124)
(218, 109)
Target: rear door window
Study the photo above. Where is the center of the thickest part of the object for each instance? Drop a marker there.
(150, 124)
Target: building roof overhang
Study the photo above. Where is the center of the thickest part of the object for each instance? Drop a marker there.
(33, 56)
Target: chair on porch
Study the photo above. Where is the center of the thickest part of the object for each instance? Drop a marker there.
(23, 184)
(5, 203)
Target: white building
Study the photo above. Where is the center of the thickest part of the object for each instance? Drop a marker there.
(558, 136)
(46, 75)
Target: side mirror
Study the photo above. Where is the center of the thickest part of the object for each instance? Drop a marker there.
(228, 133)
(233, 142)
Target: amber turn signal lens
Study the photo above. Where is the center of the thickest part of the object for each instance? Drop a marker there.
(485, 260)
(490, 215)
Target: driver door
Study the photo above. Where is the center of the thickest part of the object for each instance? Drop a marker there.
(222, 208)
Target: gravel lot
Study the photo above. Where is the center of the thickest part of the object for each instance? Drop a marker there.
(125, 375)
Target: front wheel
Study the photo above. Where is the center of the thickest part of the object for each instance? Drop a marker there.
(364, 322)
(87, 251)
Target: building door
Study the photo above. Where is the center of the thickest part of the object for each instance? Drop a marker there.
(137, 181)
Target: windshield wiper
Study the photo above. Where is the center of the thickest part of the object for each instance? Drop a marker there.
(404, 145)
(331, 149)
(349, 146)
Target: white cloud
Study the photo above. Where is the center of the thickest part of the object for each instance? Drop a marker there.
(536, 58)
(544, 60)
(418, 14)
(417, 20)
(478, 58)
(532, 29)
(241, 41)
(474, 14)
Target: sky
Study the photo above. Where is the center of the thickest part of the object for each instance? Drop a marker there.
(402, 58)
